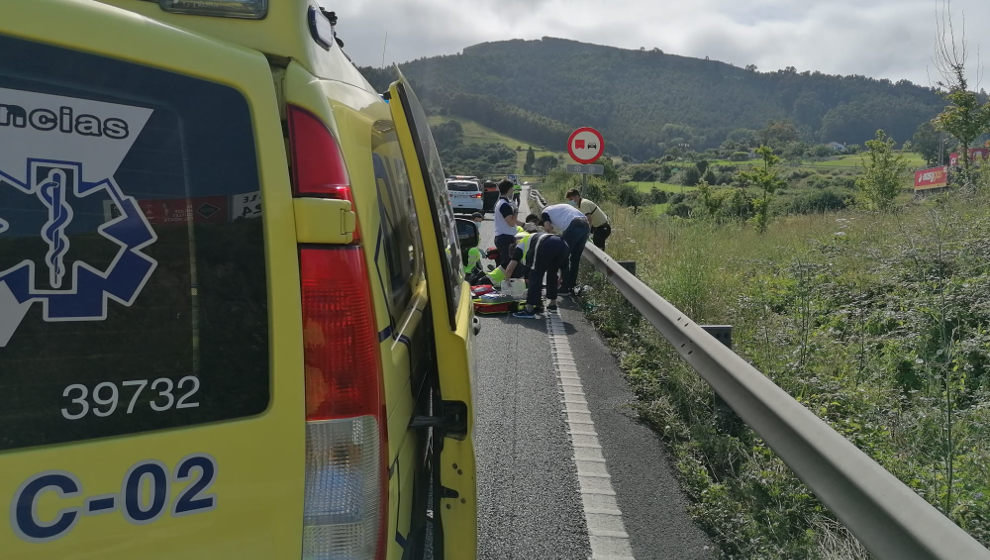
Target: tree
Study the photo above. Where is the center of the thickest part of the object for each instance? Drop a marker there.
(711, 204)
(609, 173)
(448, 135)
(778, 133)
(530, 159)
(965, 119)
(929, 143)
(766, 179)
(883, 173)
(544, 164)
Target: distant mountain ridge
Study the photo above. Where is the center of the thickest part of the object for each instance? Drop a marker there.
(647, 101)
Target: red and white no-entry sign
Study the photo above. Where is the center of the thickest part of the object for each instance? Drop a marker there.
(585, 145)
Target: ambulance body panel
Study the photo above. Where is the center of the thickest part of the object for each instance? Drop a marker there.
(227, 327)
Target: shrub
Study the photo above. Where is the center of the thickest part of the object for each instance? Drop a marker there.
(664, 173)
(817, 202)
(680, 209)
(628, 195)
(689, 176)
(644, 174)
(658, 196)
(596, 189)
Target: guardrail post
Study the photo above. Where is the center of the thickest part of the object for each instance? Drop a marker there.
(726, 419)
(629, 265)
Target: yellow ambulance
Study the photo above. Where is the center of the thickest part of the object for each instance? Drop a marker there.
(233, 323)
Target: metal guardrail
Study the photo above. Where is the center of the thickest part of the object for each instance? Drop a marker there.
(886, 516)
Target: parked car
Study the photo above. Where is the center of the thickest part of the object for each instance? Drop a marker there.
(490, 192)
(465, 195)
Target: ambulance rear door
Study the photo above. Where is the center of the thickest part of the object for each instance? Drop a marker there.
(452, 315)
(151, 395)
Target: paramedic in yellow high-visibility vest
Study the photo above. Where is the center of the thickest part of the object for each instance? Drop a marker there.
(600, 226)
(545, 254)
(473, 272)
(516, 194)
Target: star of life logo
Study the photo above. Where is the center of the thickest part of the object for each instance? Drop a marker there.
(56, 174)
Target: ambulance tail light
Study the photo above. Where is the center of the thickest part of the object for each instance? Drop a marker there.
(346, 488)
(476, 195)
(318, 168)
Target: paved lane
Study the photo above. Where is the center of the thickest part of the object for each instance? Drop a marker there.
(528, 500)
(530, 503)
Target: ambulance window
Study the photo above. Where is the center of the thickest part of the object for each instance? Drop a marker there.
(133, 291)
(400, 229)
(443, 214)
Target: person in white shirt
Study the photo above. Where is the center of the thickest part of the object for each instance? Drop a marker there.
(573, 227)
(505, 223)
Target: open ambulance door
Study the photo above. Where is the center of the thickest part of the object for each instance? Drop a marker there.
(455, 509)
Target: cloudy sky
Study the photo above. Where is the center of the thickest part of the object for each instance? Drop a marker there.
(892, 39)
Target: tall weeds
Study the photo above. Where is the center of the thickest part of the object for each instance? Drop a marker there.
(878, 324)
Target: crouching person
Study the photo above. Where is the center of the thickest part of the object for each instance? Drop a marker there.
(545, 254)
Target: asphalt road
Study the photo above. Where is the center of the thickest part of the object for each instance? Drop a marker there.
(528, 491)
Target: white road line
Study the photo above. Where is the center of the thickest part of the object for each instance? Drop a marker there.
(606, 531)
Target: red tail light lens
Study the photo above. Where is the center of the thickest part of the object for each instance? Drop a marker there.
(478, 195)
(318, 167)
(346, 487)
(343, 369)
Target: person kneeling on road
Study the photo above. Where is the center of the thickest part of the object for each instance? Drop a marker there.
(545, 254)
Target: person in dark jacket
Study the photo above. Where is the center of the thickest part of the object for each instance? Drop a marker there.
(545, 254)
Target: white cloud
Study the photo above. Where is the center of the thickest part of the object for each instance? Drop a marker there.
(892, 39)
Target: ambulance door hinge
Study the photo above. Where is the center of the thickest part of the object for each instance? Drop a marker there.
(452, 423)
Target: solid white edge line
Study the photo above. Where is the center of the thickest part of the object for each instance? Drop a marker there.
(606, 531)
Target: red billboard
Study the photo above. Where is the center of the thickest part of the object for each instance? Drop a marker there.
(975, 155)
(932, 178)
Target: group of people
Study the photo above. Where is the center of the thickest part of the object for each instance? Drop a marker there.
(548, 245)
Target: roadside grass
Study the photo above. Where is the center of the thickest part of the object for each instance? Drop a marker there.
(659, 209)
(880, 325)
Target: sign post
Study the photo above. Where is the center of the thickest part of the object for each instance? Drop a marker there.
(585, 145)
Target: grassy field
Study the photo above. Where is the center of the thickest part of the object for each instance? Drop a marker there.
(853, 162)
(647, 186)
(876, 323)
(475, 133)
(800, 174)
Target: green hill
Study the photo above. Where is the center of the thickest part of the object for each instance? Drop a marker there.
(474, 133)
(646, 102)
